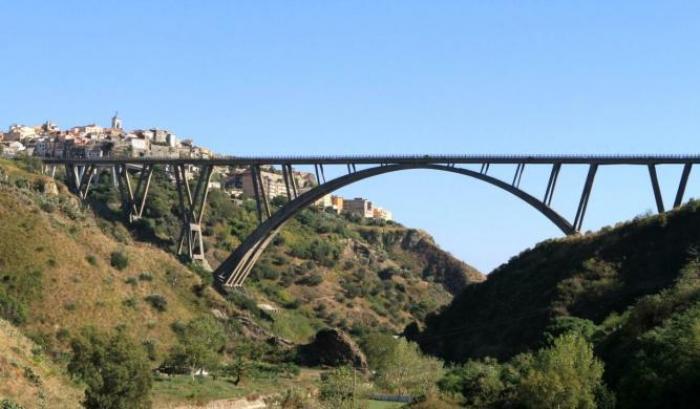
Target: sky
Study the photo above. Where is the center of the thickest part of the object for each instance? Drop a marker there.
(385, 77)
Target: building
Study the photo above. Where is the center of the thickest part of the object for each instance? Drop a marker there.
(325, 202)
(116, 121)
(43, 147)
(331, 202)
(381, 214)
(12, 148)
(138, 146)
(272, 182)
(20, 133)
(337, 203)
(358, 206)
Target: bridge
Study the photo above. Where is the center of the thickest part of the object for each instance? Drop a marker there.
(236, 268)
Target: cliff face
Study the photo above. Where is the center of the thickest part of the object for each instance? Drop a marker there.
(438, 266)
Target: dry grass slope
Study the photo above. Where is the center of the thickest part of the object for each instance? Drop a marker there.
(28, 378)
(62, 258)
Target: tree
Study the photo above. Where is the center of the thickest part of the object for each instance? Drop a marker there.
(342, 388)
(400, 366)
(480, 383)
(665, 371)
(114, 369)
(199, 345)
(566, 375)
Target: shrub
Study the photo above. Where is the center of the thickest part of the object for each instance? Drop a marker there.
(11, 309)
(130, 302)
(31, 376)
(146, 276)
(311, 280)
(150, 346)
(115, 370)
(158, 302)
(92, 260)
(119, 260)
(8, 404)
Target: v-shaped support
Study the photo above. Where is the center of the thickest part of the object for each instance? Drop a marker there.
(192, 205)
(134, 197)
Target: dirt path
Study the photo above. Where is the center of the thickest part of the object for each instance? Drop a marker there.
(242, 403)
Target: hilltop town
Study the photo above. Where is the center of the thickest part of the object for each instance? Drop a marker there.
(92, 141)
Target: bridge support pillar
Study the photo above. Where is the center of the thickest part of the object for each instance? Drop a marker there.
(192, 206)
(585, 196)
(79, 178)
(261, 201)
(657, 190)
(133, 197)
(683, 183)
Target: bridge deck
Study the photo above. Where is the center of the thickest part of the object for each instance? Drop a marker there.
(393, 159)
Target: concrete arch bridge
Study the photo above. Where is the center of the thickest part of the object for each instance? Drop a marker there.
(133, 177)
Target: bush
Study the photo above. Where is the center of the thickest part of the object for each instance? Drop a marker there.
(158, 302)
(119, 260)
(11, 309)
(130, 302)
(115, 370)
(92, 260)
(8, 404)
(146, 276)
(311, 280)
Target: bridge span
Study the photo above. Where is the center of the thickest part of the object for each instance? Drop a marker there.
(236, 268)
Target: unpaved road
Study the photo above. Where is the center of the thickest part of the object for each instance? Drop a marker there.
(225, 404)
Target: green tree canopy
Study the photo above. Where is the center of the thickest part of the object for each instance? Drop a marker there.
(199, 345)
(400, 366)
(565, 376)
(114, 369)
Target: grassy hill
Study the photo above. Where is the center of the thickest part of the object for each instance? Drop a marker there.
(65, 266)
(56, 261)
(322, 270)
(28, 378)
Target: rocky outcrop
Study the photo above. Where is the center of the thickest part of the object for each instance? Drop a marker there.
(440, 266)
(332, 347)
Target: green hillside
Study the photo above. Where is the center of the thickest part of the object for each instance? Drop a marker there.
(323, 269)
(67, 268)
(632, 290)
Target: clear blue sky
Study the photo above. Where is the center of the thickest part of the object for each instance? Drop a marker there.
(383, 77)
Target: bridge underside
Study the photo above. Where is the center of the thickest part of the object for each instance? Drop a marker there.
(237, 267)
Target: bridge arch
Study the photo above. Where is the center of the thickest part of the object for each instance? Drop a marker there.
(236, 268)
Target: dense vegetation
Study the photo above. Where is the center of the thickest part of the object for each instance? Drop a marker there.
(633, 292)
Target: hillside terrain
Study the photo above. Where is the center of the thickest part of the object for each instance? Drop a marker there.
(30, 379)
(66, 267)
(323, 268)
(632, 290)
